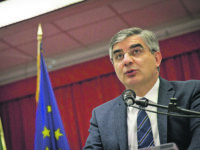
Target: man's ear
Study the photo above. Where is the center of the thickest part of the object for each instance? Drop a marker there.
(158, 58)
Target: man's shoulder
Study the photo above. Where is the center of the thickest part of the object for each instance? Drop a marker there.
(109, 103)
(108, 109)
(109, 106)
(181, 83)
(186, 85)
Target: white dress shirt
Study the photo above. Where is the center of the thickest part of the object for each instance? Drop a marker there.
(152, 96)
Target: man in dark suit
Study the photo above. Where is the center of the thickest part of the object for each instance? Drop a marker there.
(136, 58)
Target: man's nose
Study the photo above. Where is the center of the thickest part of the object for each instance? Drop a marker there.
(127, 59)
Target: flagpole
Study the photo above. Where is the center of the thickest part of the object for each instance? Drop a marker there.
(2, 139)
(39, 40)
(50, 133)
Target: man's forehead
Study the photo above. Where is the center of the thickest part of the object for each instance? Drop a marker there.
(129, 42)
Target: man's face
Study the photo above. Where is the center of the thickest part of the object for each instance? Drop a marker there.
(134, 64)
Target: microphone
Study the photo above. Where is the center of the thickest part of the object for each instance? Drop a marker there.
(129, 97)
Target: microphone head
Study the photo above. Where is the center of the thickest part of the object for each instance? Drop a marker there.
(129, 97)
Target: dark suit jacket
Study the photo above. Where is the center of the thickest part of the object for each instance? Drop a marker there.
(108, 125)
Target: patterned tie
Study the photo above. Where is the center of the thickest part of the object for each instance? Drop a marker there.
(144, 131)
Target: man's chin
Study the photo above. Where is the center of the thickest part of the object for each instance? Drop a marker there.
(132, 84)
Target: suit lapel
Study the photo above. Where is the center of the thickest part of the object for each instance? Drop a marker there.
(165, 93)
(121, 124)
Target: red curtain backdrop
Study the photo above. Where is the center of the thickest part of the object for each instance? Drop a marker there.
(80, 88)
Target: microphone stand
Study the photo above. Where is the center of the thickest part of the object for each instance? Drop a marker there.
(171, 108)
(174, 108)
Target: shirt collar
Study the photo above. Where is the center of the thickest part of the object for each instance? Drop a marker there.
(152, 95)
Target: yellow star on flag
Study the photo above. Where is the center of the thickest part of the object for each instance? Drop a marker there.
(47, 148)
(58, 134)
(49, 108)
(46, 132)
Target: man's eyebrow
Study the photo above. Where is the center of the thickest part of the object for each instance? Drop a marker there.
(135, 45)
(117, 51)
(132, 46)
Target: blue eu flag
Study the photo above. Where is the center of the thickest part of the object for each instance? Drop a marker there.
(50, 134)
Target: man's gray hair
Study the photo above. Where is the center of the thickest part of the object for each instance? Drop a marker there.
(147, 36)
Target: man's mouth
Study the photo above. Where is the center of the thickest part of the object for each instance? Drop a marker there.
(130, 72)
